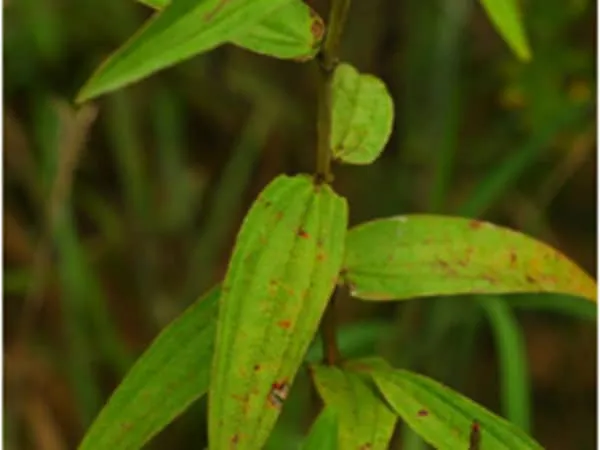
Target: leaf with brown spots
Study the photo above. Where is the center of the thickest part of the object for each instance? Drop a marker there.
(425, 255)
(450, 418)
(274, 295)
(177, 32)
(364, 419)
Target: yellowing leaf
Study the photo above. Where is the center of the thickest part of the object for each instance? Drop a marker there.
(184, 28)
(426, 255)
(364, 419)
(171, 374)
(362, 116)
(442, 417)
(282, 272)
(506, 17)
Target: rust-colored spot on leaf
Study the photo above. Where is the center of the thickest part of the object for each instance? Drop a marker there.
(285, 324)
(257, 367)
(513, 258)
(475, 437)
(475, 224)
(317, 27)
(423, 413)
(303, 234)
(235, 439)
(367, 446)
(530, 279)
(321, 256)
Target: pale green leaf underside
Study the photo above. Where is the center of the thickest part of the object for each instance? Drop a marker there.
(293, 31)
(427, 255)
(364, 420)
(362, 116)
(283, 269)
(165, 380)
(442, 417)
(506, 17)
(323, 434)
(184, 28)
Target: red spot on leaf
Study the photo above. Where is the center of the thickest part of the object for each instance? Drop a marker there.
(530, 279)
(423, 413)
(317, 27)
(475, 437)
(367, 446)
(257, 368)
(235, 439)
(513, 258)
(475, 224)
(320, 256)
(303, 234)
(285, 324)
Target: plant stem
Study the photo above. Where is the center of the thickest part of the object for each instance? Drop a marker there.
(328, 59)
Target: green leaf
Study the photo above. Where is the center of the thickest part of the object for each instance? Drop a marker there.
(510, 345)
(442, 417)
(283, 270)
(506, 17)
(293, 31)
(426, 255)
(184, 28)
(364, 419)
(324, 432)
(171, 374)
(362, 116)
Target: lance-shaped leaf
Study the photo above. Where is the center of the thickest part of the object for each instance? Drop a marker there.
(293, 31)
(362, 116)
(283, 270)
(324, 432)
(171, 374)
(425, 255)
(364, 419)
(443, 417)
(184, 28)
(506, 17)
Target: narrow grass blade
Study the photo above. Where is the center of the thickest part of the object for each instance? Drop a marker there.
(514, 380)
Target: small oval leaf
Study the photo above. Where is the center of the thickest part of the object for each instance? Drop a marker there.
(184, 28)
(293, 31)
(364, 419)
(362, 116)
(171, 374)
(282, 272)
(506, 17)
(443, 417)
(425, 255)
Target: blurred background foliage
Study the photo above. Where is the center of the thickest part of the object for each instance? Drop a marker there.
(120, 214)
